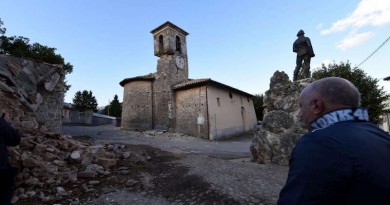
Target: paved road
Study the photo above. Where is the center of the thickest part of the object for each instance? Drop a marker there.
(237, 147)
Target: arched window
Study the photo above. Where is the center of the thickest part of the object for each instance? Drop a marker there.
(178, 44)
(161, 43)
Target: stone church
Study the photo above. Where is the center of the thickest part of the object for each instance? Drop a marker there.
(169, 100)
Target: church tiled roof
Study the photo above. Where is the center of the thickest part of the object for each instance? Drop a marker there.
(190, 83)
(206, 81)
(149, 77)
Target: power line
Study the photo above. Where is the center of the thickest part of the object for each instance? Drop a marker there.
(374, 51)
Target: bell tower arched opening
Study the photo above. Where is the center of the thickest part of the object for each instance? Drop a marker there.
(161, 43)
(178, 44)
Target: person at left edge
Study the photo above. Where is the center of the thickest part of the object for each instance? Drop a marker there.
(8, 137)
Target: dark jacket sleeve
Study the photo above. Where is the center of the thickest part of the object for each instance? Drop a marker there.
(318, 174)
(8, 135)
(310, 50)
(295, 49)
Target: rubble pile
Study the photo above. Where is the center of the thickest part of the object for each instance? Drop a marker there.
(48, 163)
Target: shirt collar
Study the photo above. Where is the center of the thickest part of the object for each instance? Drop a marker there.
(335, 116)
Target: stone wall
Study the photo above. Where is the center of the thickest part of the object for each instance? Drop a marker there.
(99, 120)
(21, 120)
(49, 112)
(281, 127)
(137, 110)
(85, 117)
(167, 76)
(191, 112)
(32, 93)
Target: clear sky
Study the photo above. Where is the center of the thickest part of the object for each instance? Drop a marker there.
(240, 43)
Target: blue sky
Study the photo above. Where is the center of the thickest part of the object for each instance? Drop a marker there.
(240, 43)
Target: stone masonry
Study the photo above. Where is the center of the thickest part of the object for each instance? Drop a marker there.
(32, 93)
(189, 103)
(281, 127)
(137, 107)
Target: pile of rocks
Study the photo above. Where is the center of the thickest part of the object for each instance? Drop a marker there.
(281, 127)
(48, 163)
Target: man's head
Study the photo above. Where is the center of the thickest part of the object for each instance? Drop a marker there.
(300, 33)
(325, 95)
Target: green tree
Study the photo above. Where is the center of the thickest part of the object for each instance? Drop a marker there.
(85, 101)
(114, 108)
(20, 46)
(373, 97)
(259, 106)
(2, 30)
(17, 46)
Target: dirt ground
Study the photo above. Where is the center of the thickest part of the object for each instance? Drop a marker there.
(177, 176)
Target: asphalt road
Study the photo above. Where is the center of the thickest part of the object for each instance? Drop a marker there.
(237, 147)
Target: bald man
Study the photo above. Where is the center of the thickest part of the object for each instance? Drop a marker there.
(344, 159)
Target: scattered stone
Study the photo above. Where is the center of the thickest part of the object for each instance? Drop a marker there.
(87, 174)
(60, 163)
(131, 183)
(126, 155)
(95, 167)
(61, 191)
(30, 163)
(94, 182)
(75, 157)
(105, 162)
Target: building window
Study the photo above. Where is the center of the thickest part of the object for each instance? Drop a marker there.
(219, 102)
(161, 43)
(241, 100)
(178, 44)
(230, 95)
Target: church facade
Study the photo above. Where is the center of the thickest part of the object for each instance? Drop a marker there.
(169, 100)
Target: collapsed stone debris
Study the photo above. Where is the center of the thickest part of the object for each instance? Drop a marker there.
(49, 164)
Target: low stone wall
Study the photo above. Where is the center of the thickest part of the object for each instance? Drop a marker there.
(32, 93)
(78, 117)
(99, 119)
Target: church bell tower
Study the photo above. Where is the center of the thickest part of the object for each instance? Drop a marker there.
(170, 46)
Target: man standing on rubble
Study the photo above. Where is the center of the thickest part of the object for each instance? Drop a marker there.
(8, 137)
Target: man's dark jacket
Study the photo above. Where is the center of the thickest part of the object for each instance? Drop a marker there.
(302, 46)
(344, 160)
(8, 137)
